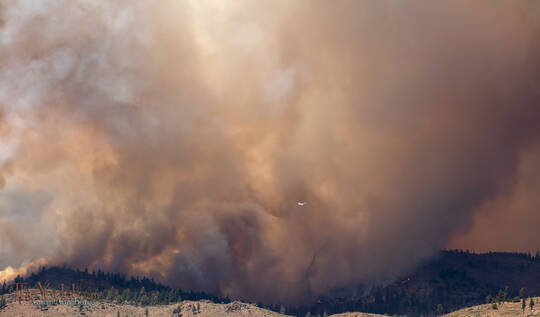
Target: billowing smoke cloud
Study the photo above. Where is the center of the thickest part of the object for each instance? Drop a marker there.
(175, 139)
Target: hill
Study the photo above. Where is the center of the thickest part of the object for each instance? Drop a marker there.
(203, 308)
(454, 280)
(506, 309)
(111, 286)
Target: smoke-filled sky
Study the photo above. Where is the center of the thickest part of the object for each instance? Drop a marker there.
(174, 139)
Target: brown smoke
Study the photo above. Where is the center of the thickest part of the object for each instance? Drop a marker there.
(175, 140)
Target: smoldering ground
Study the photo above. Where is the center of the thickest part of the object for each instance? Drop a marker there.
(175, 139)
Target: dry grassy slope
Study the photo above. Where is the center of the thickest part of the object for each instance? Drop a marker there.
(231, 310)
(207, 308)
(355, 315)
(506, 309)
(234, 309)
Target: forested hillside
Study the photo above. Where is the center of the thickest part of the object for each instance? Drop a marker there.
(453, 280)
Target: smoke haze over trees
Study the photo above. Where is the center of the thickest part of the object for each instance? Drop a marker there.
(174, 140)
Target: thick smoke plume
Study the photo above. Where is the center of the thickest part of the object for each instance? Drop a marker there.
(174, 139)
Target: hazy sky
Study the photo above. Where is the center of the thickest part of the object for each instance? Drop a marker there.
(174, 138)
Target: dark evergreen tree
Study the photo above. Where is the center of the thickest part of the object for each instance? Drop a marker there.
(439, 310)
(505, 294)
(500, 296)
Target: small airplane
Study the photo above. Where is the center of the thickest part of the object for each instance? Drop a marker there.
(301, 203)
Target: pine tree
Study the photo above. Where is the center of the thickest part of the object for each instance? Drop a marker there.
(489, 299)
(126, 295)
(142, 292)
(146, 312)
(500, 296)
(198, 308)
(110, 294)
(170, 297)
(18, 279)
(440, 309)
(145, 300)
(2, 302)
(523, 304)
(531, 304)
